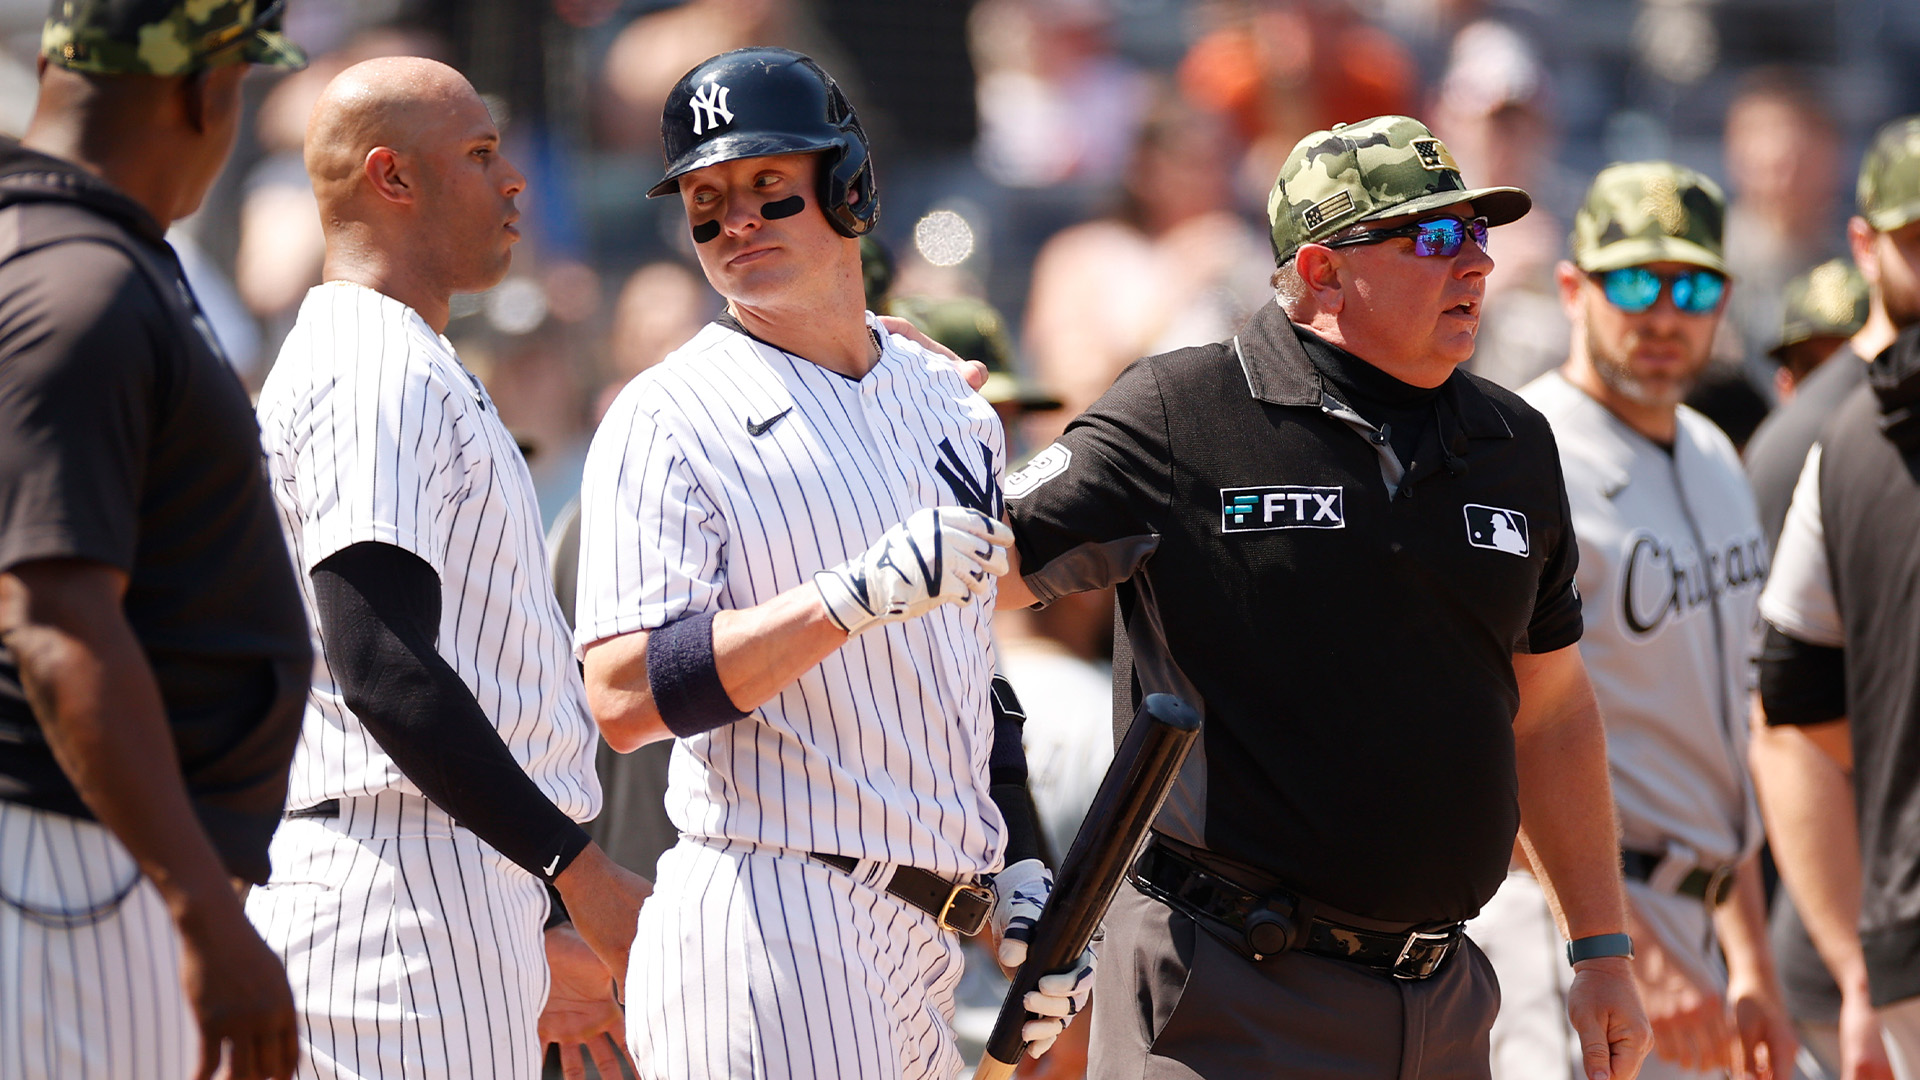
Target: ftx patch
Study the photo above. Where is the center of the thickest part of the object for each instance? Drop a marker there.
(1255, 509)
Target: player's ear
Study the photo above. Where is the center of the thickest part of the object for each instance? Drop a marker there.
(388, 175)
(1319, 268)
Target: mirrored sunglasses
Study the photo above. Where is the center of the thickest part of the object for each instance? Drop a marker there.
(1634, 289)
(1441, 236)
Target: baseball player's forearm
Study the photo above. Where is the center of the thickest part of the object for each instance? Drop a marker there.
(379, 611)
(1807, 800)
(1741, 926)
(1566, 800)
(757, 653)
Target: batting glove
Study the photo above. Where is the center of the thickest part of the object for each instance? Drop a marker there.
(940, 555)
(1020, 894)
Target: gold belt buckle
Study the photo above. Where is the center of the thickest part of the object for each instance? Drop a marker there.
(986, 896)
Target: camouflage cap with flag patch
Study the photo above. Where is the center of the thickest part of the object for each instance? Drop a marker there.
(166, 37)
(1889, 192)
(1644, 212)
(1829, 300)
(1378, 168)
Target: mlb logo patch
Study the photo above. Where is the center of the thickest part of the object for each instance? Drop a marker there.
(1498, 529)
(1256, 509)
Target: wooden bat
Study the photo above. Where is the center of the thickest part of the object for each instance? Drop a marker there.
(1135, 786)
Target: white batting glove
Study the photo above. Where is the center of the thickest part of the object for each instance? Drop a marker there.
(940, 555)
(1021, 892)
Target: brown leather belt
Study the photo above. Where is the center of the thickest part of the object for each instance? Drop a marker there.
(962, 907)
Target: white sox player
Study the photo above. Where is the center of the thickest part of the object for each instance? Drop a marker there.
(788, 556)
(446, 753)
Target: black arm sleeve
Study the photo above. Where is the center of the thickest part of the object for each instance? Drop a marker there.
(1007, 777)
(379, 612)
(1801, 684)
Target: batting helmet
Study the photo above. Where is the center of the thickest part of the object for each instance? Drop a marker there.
(760, 101)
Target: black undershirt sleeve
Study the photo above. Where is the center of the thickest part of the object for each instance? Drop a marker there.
(1801, 684)
(379, 612)
(1007, 777)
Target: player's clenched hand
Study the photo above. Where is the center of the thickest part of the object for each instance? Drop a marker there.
(603, 899)
(581, 1012)
(240, 998)
(940, 555)
(1021, 892)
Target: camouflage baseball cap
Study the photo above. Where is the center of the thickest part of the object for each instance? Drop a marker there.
(1646, 212)
(1378, 168)
(166, 37)
(974, 330)
(1829, 300)
(1889, 193)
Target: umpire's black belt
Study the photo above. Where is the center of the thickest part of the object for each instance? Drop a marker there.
(1263, 923)
(1710, 887)
(962, 907)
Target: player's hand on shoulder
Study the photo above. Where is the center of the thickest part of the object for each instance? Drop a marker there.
(582, 1017)
(1021, 892)
(973, 371)
(939, 555)
(240, 999)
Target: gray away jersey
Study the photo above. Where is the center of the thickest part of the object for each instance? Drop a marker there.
(374, 431)
(734, 471)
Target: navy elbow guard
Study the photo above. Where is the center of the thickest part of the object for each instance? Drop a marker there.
(686, 685)
(1007, 776)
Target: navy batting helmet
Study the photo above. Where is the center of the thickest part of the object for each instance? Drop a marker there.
(761, 101)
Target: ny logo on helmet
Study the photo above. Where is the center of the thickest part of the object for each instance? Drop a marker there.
(710, 106)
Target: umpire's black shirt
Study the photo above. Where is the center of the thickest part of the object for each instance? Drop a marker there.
(126, 439)
(1345, 622)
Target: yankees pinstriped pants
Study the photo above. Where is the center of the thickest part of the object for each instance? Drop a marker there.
(413, 948)
(755, 962)
(89, 959)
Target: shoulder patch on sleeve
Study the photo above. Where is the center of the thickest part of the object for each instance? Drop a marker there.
(1042, 467)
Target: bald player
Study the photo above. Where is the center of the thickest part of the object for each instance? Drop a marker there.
(446, 754)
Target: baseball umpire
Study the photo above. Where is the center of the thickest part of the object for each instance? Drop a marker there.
(1359, 561)
(788, 557)
(152, 652)
(447, 753)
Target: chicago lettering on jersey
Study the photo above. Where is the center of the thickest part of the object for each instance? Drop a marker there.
(1256, 509)
(1663, 581)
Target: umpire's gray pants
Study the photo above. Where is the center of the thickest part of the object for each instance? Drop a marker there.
(1175, 1003)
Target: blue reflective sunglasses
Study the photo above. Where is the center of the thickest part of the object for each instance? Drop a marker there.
(1634, 289)
(1441, 236)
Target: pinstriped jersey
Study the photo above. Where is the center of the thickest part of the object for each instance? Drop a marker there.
(733, 471)
(374, 431)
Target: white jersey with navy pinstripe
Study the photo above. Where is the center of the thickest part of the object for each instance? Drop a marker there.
(732, 471)
(374, 431)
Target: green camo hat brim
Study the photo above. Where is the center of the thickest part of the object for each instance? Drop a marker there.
(1499, 205)
(1641, 250)
(1890, 218)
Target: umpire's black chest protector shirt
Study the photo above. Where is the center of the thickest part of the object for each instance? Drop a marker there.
(1345, 625)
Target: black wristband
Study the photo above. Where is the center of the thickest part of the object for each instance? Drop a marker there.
(686, 685)
(1599, 946)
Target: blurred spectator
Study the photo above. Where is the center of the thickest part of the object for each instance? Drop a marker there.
(1783, 166)
(1494, 109)
(1173, 266)
(1282, 68)
(1822, 309)
(1055, 103)
(661, 306)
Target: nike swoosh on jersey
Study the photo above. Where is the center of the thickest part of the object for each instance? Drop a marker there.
(764, 426)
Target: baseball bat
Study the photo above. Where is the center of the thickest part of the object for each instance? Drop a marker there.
(1135, 786)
